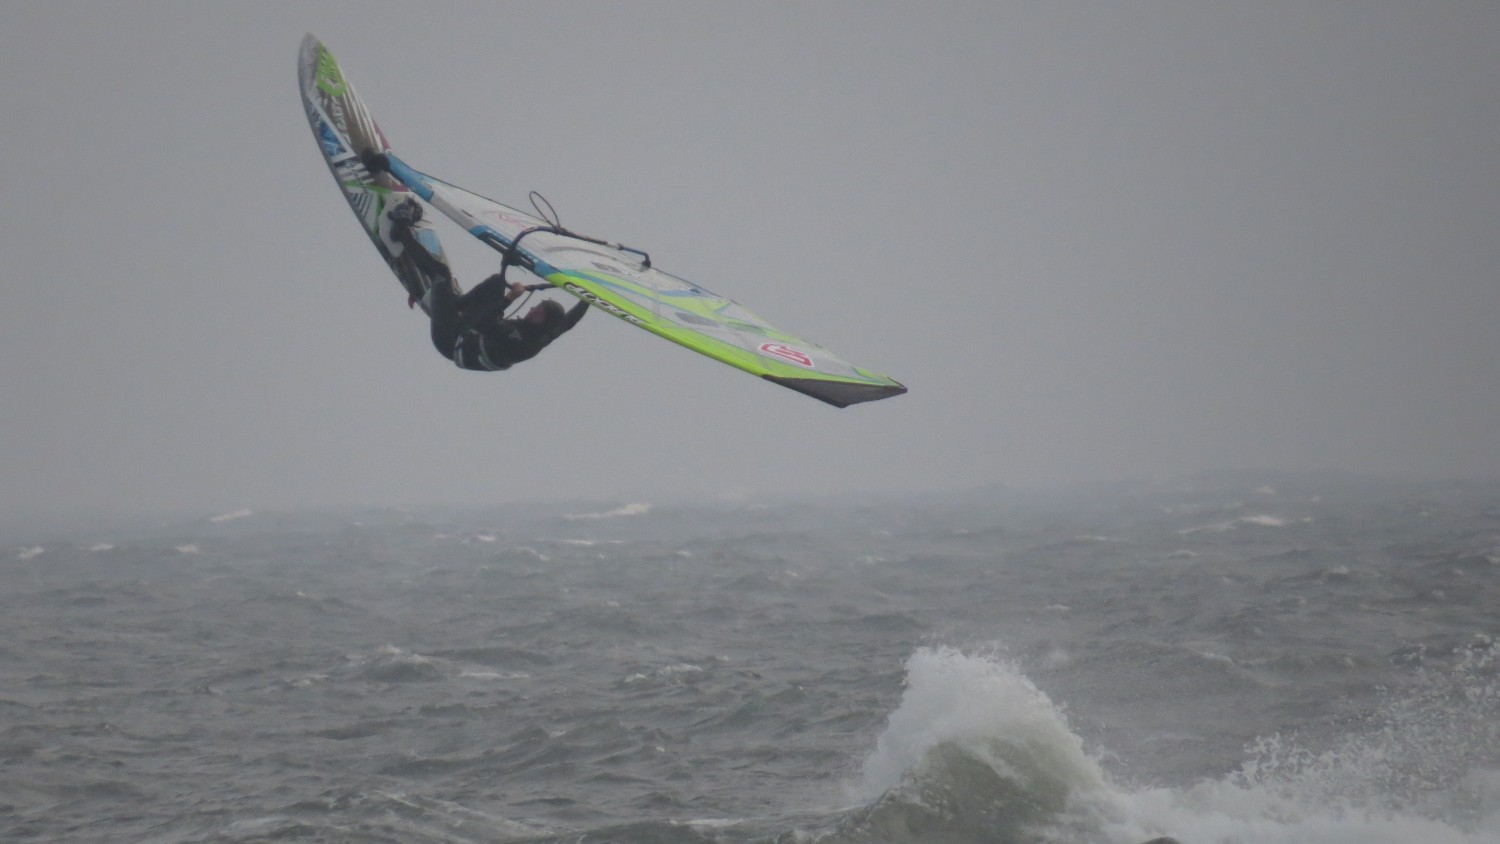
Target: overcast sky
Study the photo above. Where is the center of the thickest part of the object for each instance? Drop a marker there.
(1096, 241)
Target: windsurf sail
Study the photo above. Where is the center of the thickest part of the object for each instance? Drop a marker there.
(621, 281)
(344, 130)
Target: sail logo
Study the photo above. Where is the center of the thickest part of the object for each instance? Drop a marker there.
(514, 219)
(330, 79)
(787, 353)
(600, 302)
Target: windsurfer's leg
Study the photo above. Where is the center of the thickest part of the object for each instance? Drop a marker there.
(485, 295)
(413, 248)
(442, 306)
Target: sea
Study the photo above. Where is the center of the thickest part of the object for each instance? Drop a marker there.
(1235, 658)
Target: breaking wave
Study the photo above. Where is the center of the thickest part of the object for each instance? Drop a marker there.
(975, 752)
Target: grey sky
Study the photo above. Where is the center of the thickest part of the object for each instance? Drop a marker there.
(1096, 240)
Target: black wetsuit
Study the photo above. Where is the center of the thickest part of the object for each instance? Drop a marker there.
(470, 329)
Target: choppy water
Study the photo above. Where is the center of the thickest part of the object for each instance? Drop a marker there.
(1227, 662)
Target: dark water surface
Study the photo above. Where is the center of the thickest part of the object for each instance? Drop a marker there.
(1266, 660)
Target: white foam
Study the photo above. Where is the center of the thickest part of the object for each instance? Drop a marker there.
(1414, 772)
(1224, 812)
(1256, 521)
(639, 508)
(229, 517)
(668, 673)
(29, 553)
(492, 675)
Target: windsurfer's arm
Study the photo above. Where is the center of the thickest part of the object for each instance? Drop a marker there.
(491, 297)
(491, 288)
(574, 314)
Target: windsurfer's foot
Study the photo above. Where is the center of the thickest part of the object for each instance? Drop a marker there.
(409, 211)
(375, 162)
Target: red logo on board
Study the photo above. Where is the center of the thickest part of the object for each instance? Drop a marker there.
(787, 353)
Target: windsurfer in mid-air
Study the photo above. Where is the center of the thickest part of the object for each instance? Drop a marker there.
(470, 328)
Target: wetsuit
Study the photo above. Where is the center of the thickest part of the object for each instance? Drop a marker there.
(470, 329)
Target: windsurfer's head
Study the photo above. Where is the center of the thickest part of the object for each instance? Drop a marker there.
(545, 313)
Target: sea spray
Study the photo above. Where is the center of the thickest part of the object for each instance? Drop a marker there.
(1426, 750)
(974, 752)
(976, 703)
(1424, 767)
